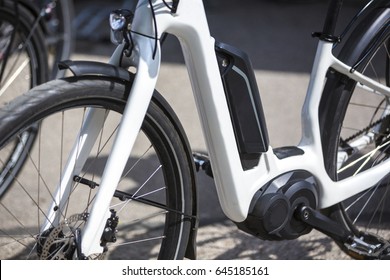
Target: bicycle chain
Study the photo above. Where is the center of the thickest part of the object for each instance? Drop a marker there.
(366, 129)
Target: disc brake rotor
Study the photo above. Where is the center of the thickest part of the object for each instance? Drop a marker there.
(59, 243)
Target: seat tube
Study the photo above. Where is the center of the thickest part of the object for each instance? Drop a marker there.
(332, 16)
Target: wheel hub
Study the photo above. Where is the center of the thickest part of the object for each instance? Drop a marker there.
(59, 243)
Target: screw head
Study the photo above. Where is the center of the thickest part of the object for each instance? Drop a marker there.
(225, 63)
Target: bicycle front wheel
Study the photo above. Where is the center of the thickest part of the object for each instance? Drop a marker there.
(153, 200)
(355, 122)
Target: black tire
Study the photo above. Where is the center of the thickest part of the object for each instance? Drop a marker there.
(348, 113)
(164, 227)
(23, 65)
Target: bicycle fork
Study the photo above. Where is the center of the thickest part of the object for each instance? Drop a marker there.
(138, 102)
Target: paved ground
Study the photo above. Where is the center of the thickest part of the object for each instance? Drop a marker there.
(276, 35)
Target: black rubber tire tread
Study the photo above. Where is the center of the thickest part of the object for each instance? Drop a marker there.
(49, 96)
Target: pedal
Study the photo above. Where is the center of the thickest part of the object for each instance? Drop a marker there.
(365, 246)
(202, 162)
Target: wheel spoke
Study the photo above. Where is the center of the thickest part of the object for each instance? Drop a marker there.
(138, 241)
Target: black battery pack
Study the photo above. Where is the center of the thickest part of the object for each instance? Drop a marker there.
(244, 103)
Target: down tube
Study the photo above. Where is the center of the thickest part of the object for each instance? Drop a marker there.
(234, 186)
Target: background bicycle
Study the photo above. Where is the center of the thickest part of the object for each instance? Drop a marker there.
(34, 37)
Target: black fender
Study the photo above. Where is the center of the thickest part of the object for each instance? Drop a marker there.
(93, 69)
(371, 24)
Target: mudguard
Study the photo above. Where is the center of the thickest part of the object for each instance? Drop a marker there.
(93, 69)
(370, 25)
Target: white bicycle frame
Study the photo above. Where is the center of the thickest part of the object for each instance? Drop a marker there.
(235, 186)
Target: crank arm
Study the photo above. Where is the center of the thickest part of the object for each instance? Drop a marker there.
(323, 224)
